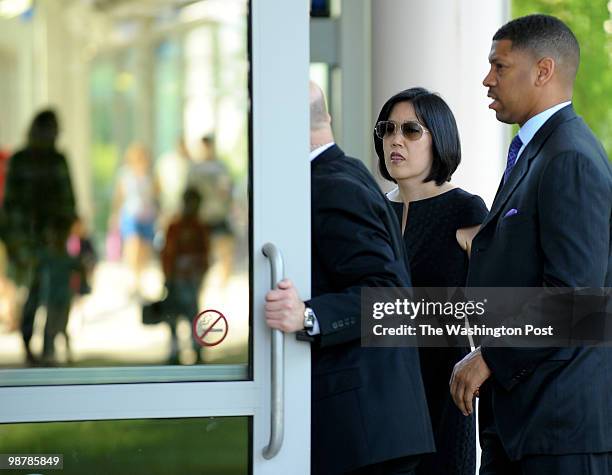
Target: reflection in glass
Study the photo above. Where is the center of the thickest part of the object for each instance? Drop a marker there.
(218, 445)
(153, 115)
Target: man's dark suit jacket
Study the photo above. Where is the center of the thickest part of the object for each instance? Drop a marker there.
(368, 404)
(546, 400)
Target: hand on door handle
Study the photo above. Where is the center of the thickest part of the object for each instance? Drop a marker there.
(284, 309)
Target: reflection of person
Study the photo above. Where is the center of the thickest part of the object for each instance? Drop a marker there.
(171, 172)
(417, 143)
(57, 272)
(369, 413)
(80, 247)
(184, 262)
(136, 202)
(545, 410)
(4, 158)
(9, 295)
(8, 290)
(211, 178)
(39, 206)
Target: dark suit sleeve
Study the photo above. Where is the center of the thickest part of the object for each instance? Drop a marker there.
(575, 221)
(353, 248)
(575, 200)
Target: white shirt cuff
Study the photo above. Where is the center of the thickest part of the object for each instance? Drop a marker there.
(316, 329)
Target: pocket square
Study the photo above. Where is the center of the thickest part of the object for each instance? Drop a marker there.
(511, 212)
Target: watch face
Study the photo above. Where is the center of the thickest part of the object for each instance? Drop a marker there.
(308, 318)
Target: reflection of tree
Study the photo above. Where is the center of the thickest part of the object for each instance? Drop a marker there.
(104, 147)
(593, 88)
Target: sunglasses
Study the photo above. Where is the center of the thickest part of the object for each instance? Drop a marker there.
(411, 129)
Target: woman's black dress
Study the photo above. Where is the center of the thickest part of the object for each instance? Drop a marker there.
(437, 260)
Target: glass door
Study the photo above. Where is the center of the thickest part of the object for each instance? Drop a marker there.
(121, 380)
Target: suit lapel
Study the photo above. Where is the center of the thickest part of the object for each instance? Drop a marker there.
(532, 150)
(506, 190)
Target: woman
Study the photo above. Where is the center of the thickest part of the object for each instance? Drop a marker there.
(135, 209)
(417, 143)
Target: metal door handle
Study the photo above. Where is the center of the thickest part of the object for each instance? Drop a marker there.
(277, 409)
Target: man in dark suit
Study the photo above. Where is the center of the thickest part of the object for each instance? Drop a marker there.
(369, 414)
(546, 410)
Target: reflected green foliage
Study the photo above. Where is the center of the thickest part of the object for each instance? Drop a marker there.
(593, 89)
(231, 80)
(156, 446)
(168, 101)
(104, 150)
(104, 159)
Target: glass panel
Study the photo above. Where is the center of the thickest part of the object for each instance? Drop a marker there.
(218, 445)
(168, 101)
(113, 271)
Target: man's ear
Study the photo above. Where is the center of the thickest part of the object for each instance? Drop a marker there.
(546, 68)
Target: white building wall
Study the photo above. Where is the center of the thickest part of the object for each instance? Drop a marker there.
(443, 45)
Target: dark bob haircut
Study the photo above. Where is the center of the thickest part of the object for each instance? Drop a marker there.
(436, 116)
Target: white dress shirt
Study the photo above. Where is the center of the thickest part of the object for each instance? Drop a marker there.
(319, 150)
(531, 127)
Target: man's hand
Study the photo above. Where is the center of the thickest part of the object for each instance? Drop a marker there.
(468, 376)
(284, 309)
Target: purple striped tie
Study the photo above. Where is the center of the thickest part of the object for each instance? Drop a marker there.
(515, 146)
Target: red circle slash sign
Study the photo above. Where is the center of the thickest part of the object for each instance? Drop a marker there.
(210, 327)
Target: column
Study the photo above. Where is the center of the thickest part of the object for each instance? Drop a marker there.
(443, 45)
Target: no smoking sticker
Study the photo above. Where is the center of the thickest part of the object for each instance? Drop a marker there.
(210, 327)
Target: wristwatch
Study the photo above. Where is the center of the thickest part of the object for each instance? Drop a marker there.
(309, 318)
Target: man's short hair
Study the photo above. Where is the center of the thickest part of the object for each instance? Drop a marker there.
(436, 116)
(544, 35)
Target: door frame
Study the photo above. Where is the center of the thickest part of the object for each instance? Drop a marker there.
(280, 211)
